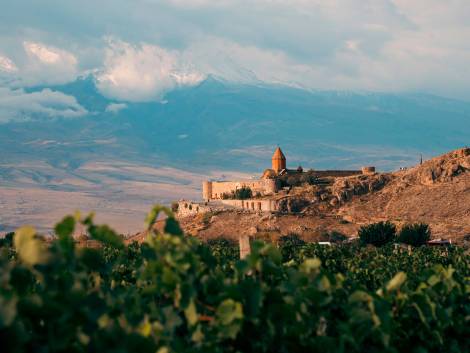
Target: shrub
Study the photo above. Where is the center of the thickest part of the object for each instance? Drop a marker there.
(225, 250)
(289, 245)
(377, 234)
(243, 193)
(415, 234)
(239, 194)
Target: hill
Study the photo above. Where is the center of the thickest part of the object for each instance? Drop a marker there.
(436, 192)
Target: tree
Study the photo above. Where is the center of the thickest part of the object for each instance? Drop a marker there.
(243, 193)
(377, 234)
(415, 234)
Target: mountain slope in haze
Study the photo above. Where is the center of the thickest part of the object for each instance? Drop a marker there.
(221, 125)
(122, 156)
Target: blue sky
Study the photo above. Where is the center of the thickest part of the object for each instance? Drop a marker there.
(138, 50)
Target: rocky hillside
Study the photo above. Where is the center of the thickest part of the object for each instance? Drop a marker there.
(436, 192)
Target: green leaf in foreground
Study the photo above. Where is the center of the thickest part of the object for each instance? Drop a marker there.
(31, 250)
(396, 282)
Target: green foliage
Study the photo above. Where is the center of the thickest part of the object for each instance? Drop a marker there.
(415, 234)
(176, 294)
(290, 244)
(224, 250)
(377, 234)
(243, 193)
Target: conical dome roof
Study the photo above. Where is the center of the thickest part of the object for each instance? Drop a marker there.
(278, 154)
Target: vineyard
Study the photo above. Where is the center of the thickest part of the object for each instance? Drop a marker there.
(176, 294)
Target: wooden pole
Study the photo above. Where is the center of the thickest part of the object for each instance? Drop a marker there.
(244, 243)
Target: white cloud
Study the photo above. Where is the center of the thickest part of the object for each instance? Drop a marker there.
(47, 65)
(38, 64)
(18, 105)
(7, 65)
(334, 44)
(115, 107)
(142, 72)
(48, 55)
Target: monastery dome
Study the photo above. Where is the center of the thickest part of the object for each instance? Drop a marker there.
(269, 174)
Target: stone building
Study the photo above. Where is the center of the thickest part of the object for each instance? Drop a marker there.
(267, 185)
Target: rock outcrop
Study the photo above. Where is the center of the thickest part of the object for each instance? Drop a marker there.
(440, 169)
(345, 188)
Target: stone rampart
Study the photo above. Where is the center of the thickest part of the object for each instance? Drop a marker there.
(253, 204)
(335, 173)
(215, 189)
(190, 208)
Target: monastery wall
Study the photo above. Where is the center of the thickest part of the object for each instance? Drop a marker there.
(215, 189)
(190, 208)
(336, 173)
(253, 204)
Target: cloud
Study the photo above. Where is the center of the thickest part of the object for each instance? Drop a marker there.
(115, 107)
(142, 72)
(49, 55)
(18, 105)
(397, 45)
(7, 65)
(38, 64)
(47, 65)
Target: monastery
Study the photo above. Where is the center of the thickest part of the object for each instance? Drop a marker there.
(262, 195)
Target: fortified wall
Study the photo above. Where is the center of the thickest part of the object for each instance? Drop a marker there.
(265, 205)
(215, 189)
(342, 173)
(190, 208)
(335, 173)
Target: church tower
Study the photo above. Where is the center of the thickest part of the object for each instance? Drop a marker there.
(278, 161)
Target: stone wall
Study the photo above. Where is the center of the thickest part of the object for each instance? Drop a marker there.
(190, 208)
(215, 189)
(335, 173)
(253, 204)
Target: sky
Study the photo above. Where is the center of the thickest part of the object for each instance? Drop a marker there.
(138, 50)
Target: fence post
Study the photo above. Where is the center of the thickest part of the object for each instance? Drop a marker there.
(244, 243)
